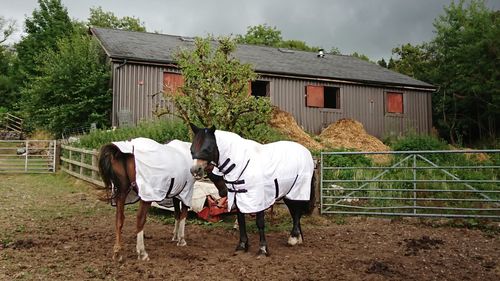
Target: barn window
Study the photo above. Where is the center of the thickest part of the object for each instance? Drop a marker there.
(172, 82)
(394, 102)
(323, 97)
(260, 88)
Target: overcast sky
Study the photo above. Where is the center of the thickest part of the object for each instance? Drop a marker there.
(371, 27)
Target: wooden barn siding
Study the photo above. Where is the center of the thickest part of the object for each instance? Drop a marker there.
(286, 93)
(129, 95)
(289, 95)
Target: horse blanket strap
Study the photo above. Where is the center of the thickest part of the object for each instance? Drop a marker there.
(171, 186)
(237, 190)
(276, 186)
(236, 182)
(229, 169)
(224, 164)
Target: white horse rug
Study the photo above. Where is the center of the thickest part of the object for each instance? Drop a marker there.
(257, 175)
(162, 170)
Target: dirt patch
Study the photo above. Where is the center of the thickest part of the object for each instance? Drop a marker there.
(66, 238)
(378, 267)
(413, 246)
(21, 244)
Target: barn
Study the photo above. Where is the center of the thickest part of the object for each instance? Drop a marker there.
(316, 88)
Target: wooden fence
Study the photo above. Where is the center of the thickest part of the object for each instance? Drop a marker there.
(13, 123)
(81, 163)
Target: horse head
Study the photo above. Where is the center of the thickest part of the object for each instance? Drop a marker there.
(204, 151)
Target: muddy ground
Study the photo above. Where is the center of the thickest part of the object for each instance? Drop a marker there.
(68, 234)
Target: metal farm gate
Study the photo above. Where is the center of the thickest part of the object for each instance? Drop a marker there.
(27, 156)
(452, 183)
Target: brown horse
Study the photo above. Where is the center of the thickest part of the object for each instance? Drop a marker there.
(146, 171)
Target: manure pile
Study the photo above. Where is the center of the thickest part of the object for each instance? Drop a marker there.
(345, 133)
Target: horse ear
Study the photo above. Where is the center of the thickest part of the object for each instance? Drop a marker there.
(194, 128)
(212, 129)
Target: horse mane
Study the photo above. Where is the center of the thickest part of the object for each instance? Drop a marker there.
(107, 153)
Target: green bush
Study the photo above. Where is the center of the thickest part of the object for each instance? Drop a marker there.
(352, 160)
(419, 142)
(3, 111)
(161, 131)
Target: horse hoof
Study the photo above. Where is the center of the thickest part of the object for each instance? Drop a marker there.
(263, 252)
(241, 248)
(181, 243)
(117, 257)
(175, 239)
(143, 257)
(292, 241)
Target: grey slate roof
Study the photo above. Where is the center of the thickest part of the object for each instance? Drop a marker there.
(161, 48)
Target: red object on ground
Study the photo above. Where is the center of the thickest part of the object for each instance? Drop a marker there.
(213, 211)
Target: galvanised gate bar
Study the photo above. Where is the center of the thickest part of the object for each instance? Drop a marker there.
(448, 183)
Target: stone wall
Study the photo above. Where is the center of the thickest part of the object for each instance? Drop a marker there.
(10, 135)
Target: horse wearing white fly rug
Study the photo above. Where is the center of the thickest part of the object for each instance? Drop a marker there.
(146, 171)
(254, 176)
(160, 169)
(258, 175)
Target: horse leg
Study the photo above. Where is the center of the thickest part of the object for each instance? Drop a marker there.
(296, 212)
(263, 250)
(182, 224)
(243, 243)
(119, 220)
(177, 214)
(141, 220)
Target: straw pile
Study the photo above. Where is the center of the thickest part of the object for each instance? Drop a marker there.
(349, 133)
(286, 124)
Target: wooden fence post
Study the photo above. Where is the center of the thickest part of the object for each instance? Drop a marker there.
(82, 160)
(94, 163)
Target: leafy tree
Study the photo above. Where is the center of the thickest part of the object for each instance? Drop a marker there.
(360, 56)
(100, 18)
(72, 88)
(412, 60)
(49, 23)
(215, 90)
(270, 36)
(297, 45)
(466, 67)
(7, 27)
(382, 63)
(335, 51)
(9, 93)
(462, 60)
(7, 57)
(261, 34)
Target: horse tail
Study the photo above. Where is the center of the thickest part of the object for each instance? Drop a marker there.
(107, 153)
(312, 198)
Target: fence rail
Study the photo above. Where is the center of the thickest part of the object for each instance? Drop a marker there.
(81, 163)
(13, 123)
(28, 156)
(454, 183)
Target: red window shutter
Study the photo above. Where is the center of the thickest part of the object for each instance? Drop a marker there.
(315, 96)
(394, 102)
(172, 82)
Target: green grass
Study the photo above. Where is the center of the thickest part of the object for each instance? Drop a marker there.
(368, 189)
(28, 201)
